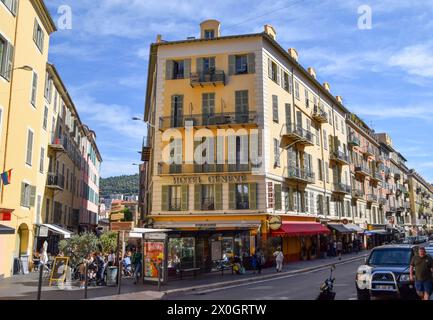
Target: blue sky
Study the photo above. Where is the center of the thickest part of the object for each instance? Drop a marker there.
(384, 74)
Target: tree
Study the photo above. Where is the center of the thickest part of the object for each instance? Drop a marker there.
(79, 247)
(108, 241)
(128, 215)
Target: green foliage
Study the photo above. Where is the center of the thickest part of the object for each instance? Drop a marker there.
(108, 241)
(79, 247)
(127, 185)
(128, 215)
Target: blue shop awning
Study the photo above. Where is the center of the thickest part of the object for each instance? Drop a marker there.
(6, 230)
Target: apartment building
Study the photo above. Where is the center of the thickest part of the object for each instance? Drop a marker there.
(39, 137)
(420, 194)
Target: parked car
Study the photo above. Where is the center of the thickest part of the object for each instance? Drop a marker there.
(386, 273)
(429, 248)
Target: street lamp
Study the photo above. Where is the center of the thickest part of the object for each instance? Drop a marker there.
(146, 122)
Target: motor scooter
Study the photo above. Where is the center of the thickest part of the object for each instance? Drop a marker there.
(327, 288)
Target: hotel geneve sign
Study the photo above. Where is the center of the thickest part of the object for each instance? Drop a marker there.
(210, 179)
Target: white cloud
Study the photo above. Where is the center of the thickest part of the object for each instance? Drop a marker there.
(416, 60)
(393, 112)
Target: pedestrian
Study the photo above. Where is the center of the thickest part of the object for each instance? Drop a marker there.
(279, 257)
(422, 264)
(111, 258)
(100, 262)
(254, 262)
(334, 248)
(82, 271)
(260, 260)
(137, 262)
(339, 247)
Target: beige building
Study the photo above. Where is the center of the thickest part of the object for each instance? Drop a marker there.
(420, 194)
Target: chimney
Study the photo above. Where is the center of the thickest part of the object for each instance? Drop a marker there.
(327, 86)
(271, 31)
(312, 72)
(210, 29)
(293, 53)
(158, 38)
(339, 99)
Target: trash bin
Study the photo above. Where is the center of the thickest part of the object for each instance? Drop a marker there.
(111, 276)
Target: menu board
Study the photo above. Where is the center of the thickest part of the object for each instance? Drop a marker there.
(153, 257)
(58, 273)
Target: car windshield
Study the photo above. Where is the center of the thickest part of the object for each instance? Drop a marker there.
(390, 257)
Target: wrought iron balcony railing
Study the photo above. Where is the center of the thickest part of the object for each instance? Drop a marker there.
(299, 174)
(208, 78)
(55, 181)
(296, 132)
(342, 188)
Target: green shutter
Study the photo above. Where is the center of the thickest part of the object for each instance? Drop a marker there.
(278, 197)
(218, 197)
(232, 196)
(232, 64)
(35, 30)
(199, 66)
(184, 201)
(252, 62)
(269, 68)
(253, 196)
(165, 198)
(32, 196)
(23, 194)
(9, 61)
(187, 68)
(169, 70)
(197, 197)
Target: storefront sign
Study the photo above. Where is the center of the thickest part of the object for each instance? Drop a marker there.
(345, 221)
(210, 179)
(43, 231)
(206, 225)
(121, 226)
(275, 223)
(270, 195)
(6, 216)
(155, 236)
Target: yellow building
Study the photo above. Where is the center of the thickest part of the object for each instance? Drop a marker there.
(420, 195)
(42, 142)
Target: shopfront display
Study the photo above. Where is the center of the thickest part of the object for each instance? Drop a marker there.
(154, 254)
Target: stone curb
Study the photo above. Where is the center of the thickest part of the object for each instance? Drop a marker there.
(252, 279)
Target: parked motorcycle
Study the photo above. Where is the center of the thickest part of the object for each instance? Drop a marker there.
(327, 288)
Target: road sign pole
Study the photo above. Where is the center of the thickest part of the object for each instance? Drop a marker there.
(41, 270)
(119, 271)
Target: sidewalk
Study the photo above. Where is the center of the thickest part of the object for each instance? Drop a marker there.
(25, 286)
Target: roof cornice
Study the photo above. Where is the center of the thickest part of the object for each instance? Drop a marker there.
(44, 15)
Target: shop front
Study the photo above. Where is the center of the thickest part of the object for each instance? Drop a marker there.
(51, 233)
(345, 234)
(377, 235)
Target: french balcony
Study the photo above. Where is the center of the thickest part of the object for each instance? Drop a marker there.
(299, 175)
(340, 157)
(55, 181)
(291, 133)
(371, 198)
(209, 78)
(368, 151)
(146, 150)
(363, 170)
(341, 188)
(354, 141)
(58, 145)
(179, 169)
(319, 114)
(357, 194)
(212, 119)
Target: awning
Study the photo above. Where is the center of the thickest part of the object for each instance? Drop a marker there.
(373, 232)
(354, 227)
(6, 230)
(340, 228)
(293, 229)
(138, 232)
(56, 229)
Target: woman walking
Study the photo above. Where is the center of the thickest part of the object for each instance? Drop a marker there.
(279, 258)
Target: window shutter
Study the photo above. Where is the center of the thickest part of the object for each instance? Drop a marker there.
(275, 108)
(251, 62)
(187, 68)
(32, 196)
(199, 63)
(165, 198)
(29, 147)
(184, 200)
(42, 41)
(35, 31)
(169, 70)
(14, 7)
(312, 211)
(232, 196)
(278, 197)
(23, 194)
(253, 196)
(269, 68)
(9, 61)
(197, 197)
(178, 151)
(218, 197)
(232, 64)
(34, 87)
(278, 75)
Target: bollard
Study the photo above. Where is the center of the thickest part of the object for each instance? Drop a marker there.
(85, 281)
(159, 277)
(41, 270)
(119, 282)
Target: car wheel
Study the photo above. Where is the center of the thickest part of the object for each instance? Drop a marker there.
(363, 294)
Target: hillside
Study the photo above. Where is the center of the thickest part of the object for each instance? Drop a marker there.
(127, 185)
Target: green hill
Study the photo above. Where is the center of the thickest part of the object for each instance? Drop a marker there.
(126, 185)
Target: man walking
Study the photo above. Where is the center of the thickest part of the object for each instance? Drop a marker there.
(339, 249)
(422, 264)
(136, 261)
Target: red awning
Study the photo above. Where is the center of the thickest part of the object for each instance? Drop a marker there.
(293, 229)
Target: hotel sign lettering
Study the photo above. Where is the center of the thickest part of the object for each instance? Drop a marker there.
(210, 179)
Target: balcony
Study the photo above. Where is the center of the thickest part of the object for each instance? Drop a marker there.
(209, 78)
(206, 120)
(146, 150)
(392, 209)
(368, 151)
(58, 145)
(363, 170)
(376, 175)
(299, 175)
(358, 194)
(354, 141)
(178, 169)
(371, 198)
(340, 157)
(319, 114)
(382, 201)
(382, 159)
(55, 181)
(341, 188)
(292, 133)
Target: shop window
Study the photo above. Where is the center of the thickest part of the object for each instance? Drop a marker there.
(181, 253)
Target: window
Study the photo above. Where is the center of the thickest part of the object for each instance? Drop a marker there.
(12, 5)
(297, 95)
(307, 99)
(48, 87)
(242, 196)
(241, 105)
(286, 85)
(275, 108)
(336, 122)
(207, 197)
(45, 122)
(273, 71)
(41, 161)
(178, 69)
(277, 190)
(208, 65)
(319, 163)
(325, 140)
(176, 111)
(175, 197)
(28, 194)
(342, 126)
(29, 147)
(34, 88)
(327, 172)
(55, 100)
(38, 36)
(241, 64)
(209, 34)
(6, 58)
(208, 108)
(276, 153)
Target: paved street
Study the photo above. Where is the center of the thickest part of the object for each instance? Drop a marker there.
(294, 287)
